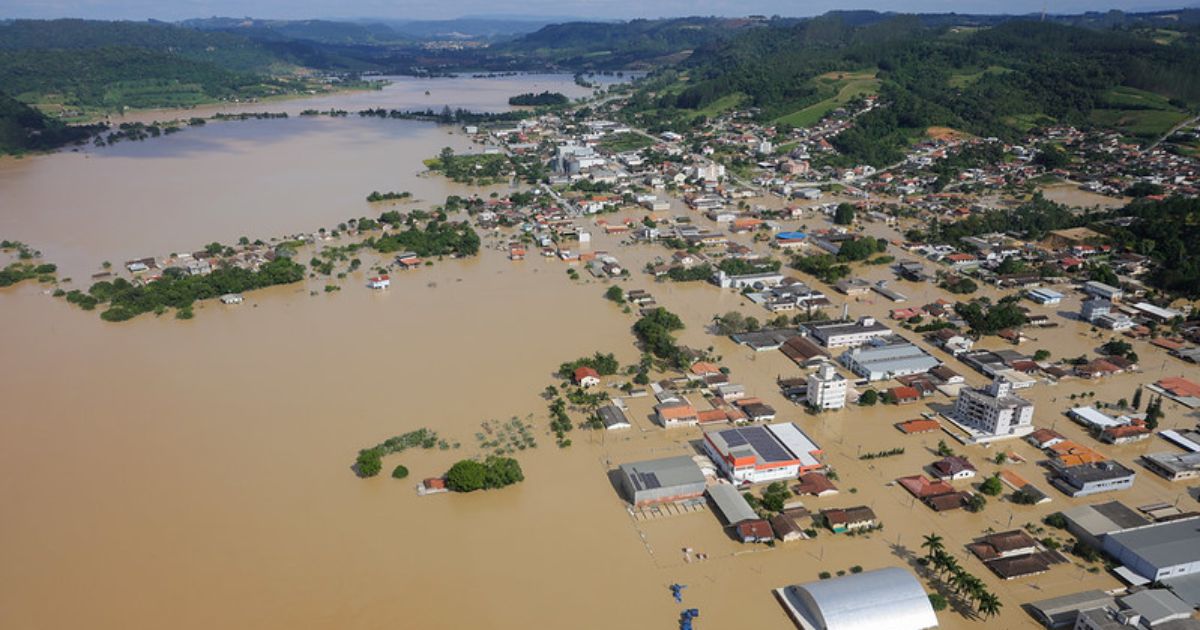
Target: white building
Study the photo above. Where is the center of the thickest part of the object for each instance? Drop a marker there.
(827, 388)
(993, 413)
(845, 333)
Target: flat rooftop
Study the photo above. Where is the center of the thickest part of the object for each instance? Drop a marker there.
(1164, 544)
(665, 472)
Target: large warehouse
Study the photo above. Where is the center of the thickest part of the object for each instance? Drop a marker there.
(1157, 552)
(758, 454)
(888, 598)
(661, 480)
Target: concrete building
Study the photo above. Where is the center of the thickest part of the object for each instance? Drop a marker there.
(759, 454)
(847, 334)
(661, 480)
(1094, 308)
(1045, 297)
(890, 598)
(1081, 480)
(826, 388)
(1157, 552)
(1101, 290)
(1173, 466)
(880, 361)
(676, 414)
(993, 413)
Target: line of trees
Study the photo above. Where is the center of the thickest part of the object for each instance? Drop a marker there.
(494, 472)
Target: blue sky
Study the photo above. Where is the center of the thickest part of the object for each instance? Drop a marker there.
(609, 9)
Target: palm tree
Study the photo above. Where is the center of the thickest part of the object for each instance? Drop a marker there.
(933, 543)
(989, 605)
(975, 588)
(959, 581)
(940, 561)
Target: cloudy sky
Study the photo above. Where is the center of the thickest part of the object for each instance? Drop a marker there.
(608, 9)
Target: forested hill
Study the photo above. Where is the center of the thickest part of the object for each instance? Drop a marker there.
(995, 81)
(613, 45)
(23, 128)
(228, 51)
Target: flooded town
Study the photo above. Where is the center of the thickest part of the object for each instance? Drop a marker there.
(748, 384)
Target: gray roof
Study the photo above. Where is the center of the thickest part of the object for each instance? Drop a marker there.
(1163, 544)
(1175, 462)
(731, 503)
(1100, 471)
(1061, 611)
(1104, 518)
(611, 416)
(1156, 605)
(660, 473)
(891, 358)
(885, 598)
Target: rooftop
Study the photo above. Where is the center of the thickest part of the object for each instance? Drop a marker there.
(665, 472)
(1164, 544)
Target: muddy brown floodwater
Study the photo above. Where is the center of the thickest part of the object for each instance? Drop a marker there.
(195, 474)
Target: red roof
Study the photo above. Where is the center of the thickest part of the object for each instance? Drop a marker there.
(584, 372)
(919, 426)
(1180, 386)
(905, 393)
(378, 278)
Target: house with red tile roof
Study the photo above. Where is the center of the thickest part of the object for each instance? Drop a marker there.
(586, 376)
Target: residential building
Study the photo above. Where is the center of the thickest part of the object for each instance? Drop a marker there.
(993, 413)
(1081, 480)
(379, 282)
(676, 414)
(953, 468)
(879, 361)
(841, 520)
(890, 598)
(826, 388)
(661, 480)
(759, 454)
(1014, 554)
(586, 377)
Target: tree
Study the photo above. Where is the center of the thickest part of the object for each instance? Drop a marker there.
(932, 544)
(938, 602)
(1041, 355)
(844, 214)
(399, 472)
(944, 449)
(1137, 398)
(989, 605)
(868, 398)
(369, 462)
(466, 476)
(976, 503)
(615, 294)
(991, 486)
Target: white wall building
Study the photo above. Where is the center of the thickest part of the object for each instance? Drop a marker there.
(827, 388)
(993, 413)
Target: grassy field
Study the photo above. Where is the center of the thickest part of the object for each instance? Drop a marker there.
(842, 86)
(621, 142)
(968, 78)
(1136, 113)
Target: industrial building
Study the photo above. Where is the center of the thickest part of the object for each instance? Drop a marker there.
(1156, 553)
(661, 480)
(826, 388)
(883, 361)
(845, 333)
(1045, 297)
(613, 418)
(1090, 523)
(1095, 308)
(993, 413)
(1173, 466)
(731, 504)
(889, 598)
(759, 454)
(1101, 290)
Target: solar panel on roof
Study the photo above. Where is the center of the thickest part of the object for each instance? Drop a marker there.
(651, 480)
(734, 437)
(765, 444)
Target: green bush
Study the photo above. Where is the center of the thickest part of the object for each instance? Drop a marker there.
(399, 472)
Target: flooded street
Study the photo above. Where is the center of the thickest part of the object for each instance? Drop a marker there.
(196, 474)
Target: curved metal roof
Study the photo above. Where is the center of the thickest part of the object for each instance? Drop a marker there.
(889, 598)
